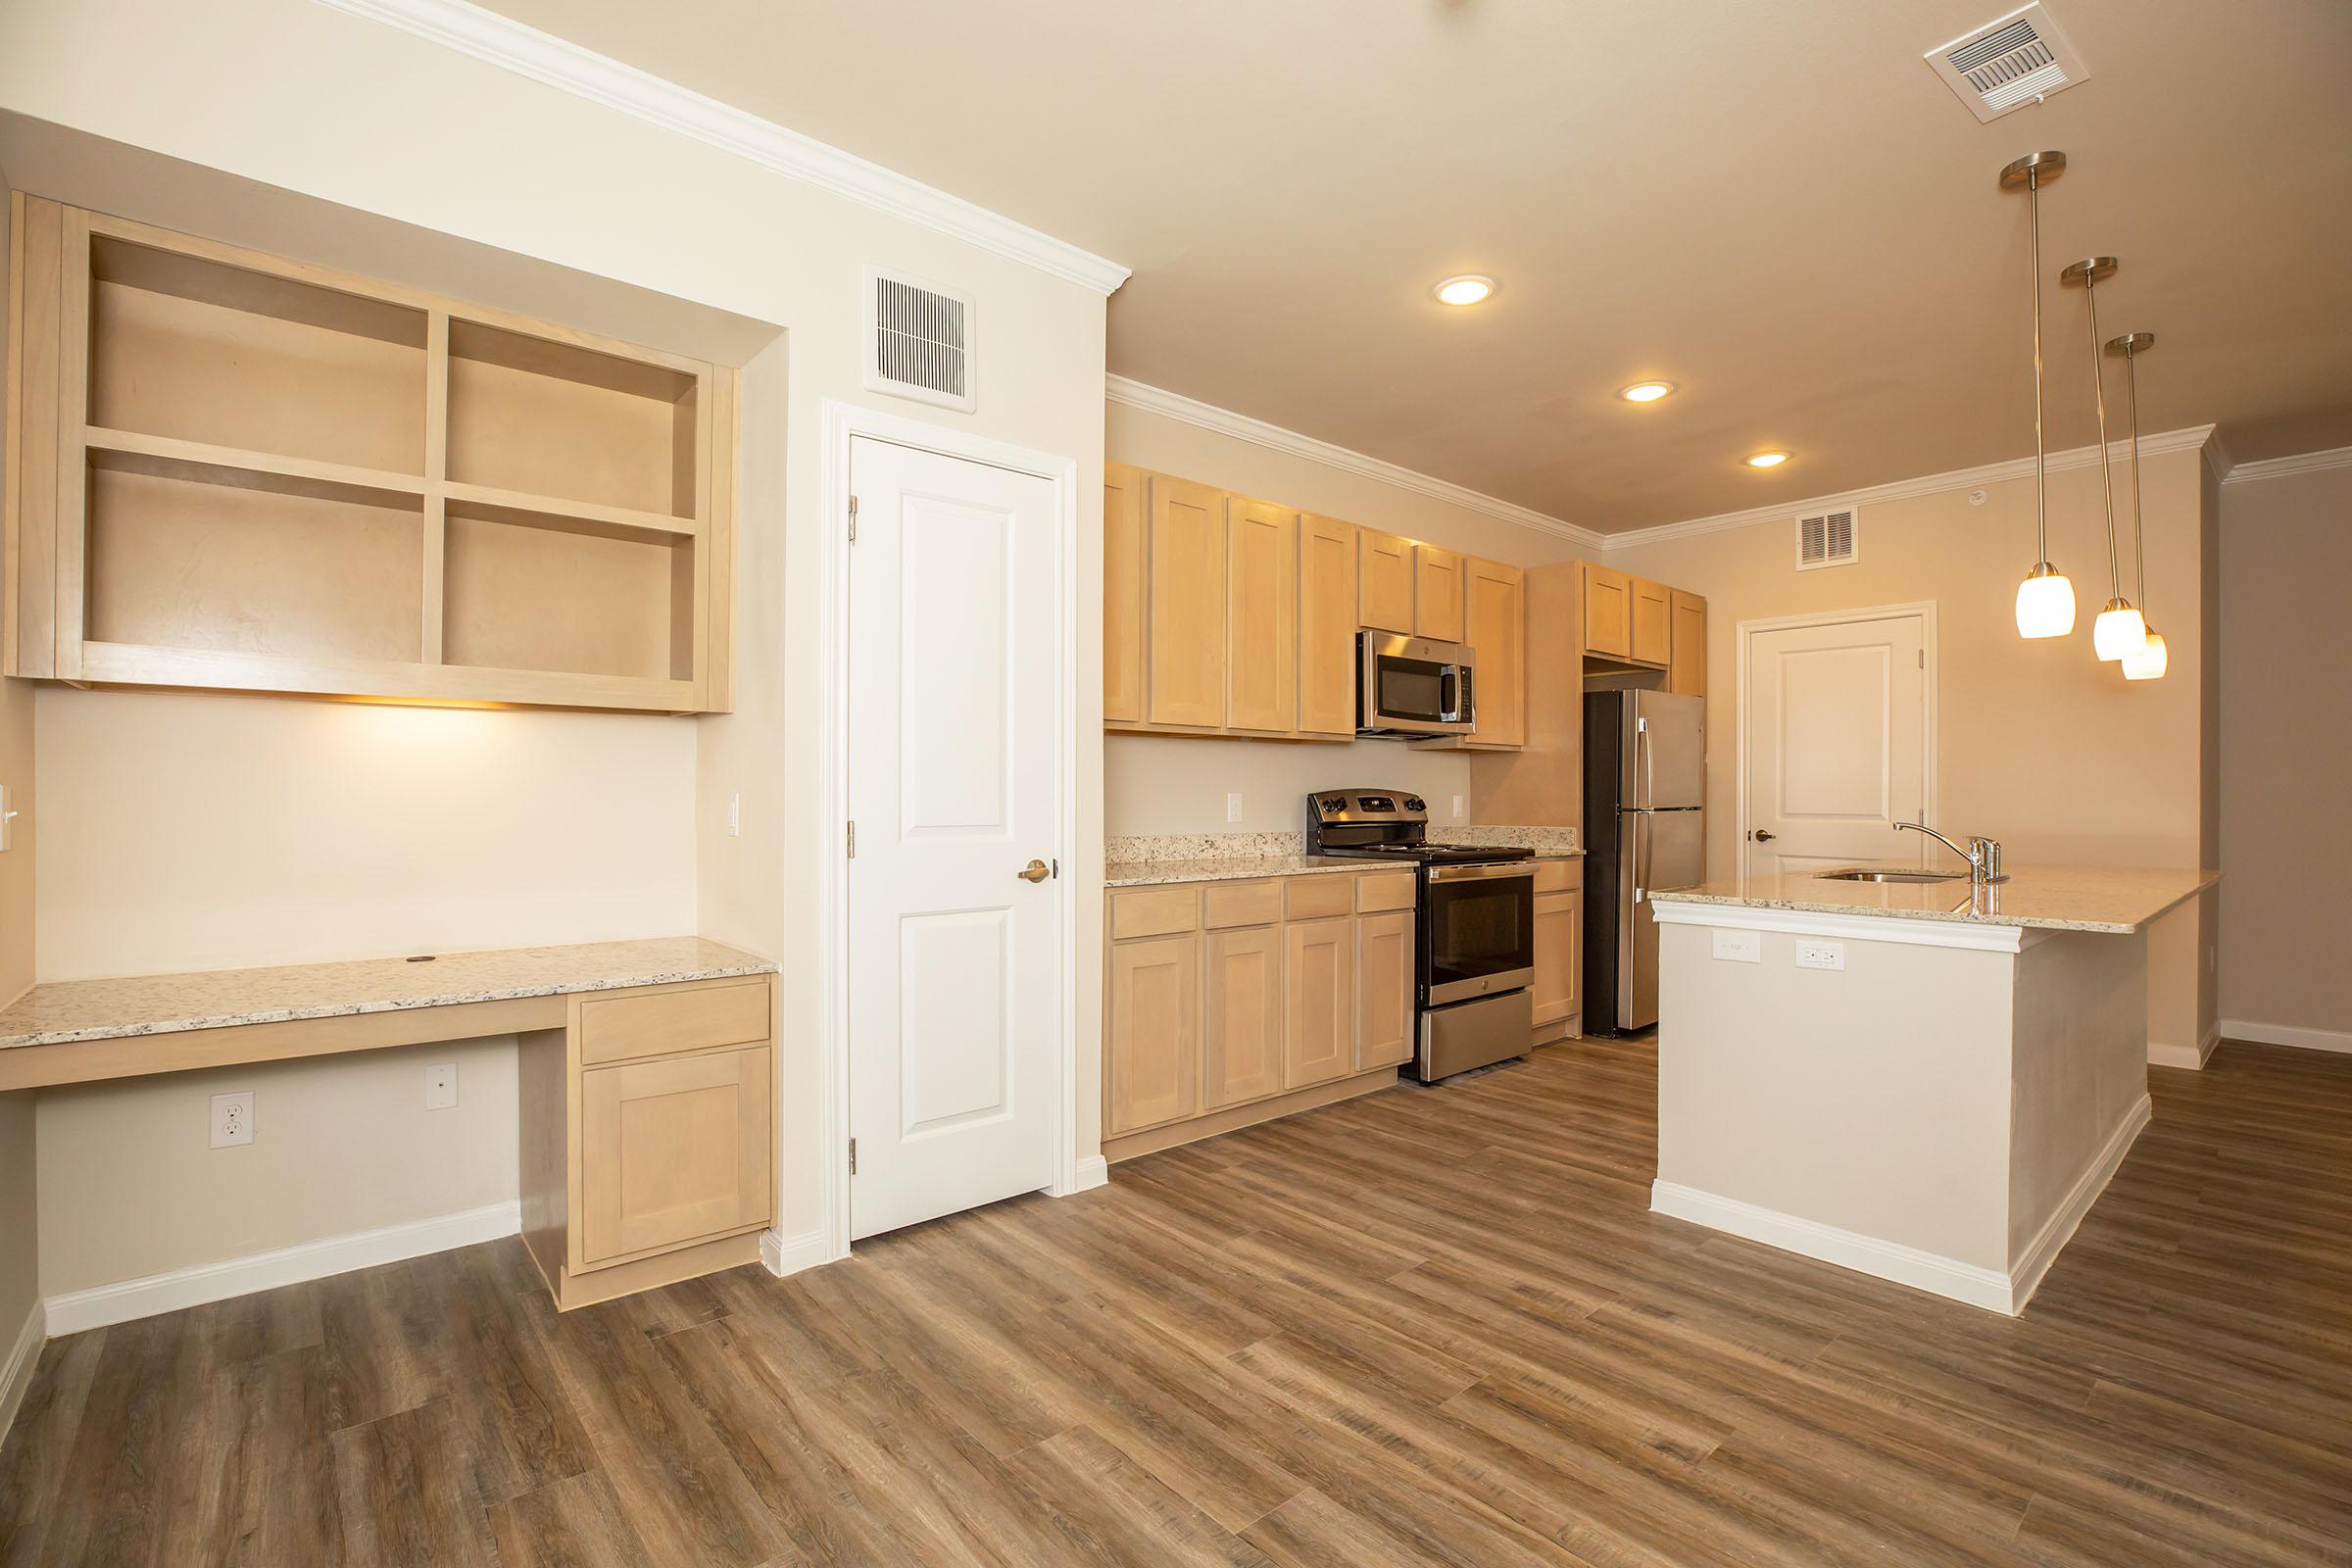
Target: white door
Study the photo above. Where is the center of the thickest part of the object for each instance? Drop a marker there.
(955, 960)
(1836, 743)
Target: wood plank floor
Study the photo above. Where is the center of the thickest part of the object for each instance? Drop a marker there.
(1426, 1327)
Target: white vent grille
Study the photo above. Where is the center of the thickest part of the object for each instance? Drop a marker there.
(2018, 60)
(1826, 539)
(918, 340)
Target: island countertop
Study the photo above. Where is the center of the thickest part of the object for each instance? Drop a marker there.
(70, 1010)
(2051, 898)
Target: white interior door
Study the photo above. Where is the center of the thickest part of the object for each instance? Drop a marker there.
(954, 960)
(1836, 743)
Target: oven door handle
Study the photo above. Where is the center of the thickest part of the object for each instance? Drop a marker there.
(1482, 873)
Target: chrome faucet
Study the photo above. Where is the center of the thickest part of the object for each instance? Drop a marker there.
(1983, 855)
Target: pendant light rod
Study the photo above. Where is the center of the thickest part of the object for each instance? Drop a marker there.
(2130, 346)
(2087, 273)
(2029, 172)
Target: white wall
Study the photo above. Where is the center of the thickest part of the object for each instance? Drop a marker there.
(354, 113)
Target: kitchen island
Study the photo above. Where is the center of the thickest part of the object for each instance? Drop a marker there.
(1924, 1081)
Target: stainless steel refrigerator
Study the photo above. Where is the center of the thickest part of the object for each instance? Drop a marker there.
(1645, 767)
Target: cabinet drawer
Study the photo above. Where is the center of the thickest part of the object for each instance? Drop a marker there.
(1318, 897)
(1231, 904)
(1155, 911)
(1559, 876)
(1383, 890)
(673, 1151)
(655, 1023)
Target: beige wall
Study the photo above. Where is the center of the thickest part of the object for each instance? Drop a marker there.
(2287, 753)
(1163, 784)
(403, 128)
(20, 1278)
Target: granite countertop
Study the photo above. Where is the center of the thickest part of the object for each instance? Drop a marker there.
(67, 1010)
(2052, 898)
(1225, 868)
(1231, 856)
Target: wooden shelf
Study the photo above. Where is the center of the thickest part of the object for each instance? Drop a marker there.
(129, 451)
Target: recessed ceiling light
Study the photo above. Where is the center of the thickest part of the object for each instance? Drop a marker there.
(1767, 460)
(1468, 289)
(1645, 391)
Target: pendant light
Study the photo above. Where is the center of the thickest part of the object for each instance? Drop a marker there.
(2119, 630)
(2149, 660)
(2045, 600)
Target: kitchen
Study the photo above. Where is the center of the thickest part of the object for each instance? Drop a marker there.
(630, 932)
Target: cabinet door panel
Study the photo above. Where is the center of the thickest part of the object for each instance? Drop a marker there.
(1262, 618)
(1653, 623)
(1608, 612)
(1384, 972)
(1385, 598)
(1437, 594)
(1320, 979)
(1184, 631)
(1122, 595)
(1151, 1051)
(1559, 955)
(1496, 631)
(1242, 1036)
(674, 1150)
(1689, 669)
(1327, 625)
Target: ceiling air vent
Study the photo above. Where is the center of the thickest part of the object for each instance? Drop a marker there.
(1826, 539)
(918, 340)
(2005, 64)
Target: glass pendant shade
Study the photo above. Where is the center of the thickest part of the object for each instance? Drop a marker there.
(2149, 662)
(2118, 632)
(2045, 603)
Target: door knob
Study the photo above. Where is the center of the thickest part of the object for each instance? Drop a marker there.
(1762, 834)
(1034, 872)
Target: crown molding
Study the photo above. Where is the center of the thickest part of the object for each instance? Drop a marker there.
(1241, 427)
(543, 58)
(2189, 438)
(2301, 462)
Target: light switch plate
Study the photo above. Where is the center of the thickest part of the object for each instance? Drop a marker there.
(1812, 953)
(1739, 946)
(1233, 808)
(441, 1086)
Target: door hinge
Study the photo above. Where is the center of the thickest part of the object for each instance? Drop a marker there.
(852, 520)
(853, 841)
(853, 1157)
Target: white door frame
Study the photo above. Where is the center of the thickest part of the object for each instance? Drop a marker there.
(1747, 630)
(842, 421)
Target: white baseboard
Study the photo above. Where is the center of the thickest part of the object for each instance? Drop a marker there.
(1091, 1172)
(789, 1254)
(1865, 1254)
(128, 1299)
(2026, 1278)
(16, 1373)
(2282, 1034)
(2193, 1058)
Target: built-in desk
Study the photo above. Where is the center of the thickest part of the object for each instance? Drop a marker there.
(652, 1058)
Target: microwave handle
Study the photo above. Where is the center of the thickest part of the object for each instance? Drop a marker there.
(1449, 681)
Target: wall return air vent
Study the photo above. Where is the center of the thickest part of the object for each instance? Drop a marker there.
(2005, 64)
(1826, 539)
(918, 340)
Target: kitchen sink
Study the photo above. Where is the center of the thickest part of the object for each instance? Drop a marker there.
(1872, 873)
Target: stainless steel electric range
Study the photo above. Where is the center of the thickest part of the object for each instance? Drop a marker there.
(1474, 926)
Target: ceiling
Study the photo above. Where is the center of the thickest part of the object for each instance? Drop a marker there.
(1779, 208)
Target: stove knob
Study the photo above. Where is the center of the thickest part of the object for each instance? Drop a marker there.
(1414, 803)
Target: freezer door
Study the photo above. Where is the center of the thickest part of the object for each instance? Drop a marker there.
(1665, 751)
(1666, 850)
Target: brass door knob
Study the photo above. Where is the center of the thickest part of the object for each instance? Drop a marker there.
(1034, 872)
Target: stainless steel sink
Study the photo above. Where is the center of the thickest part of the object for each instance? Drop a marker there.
(1872, 873)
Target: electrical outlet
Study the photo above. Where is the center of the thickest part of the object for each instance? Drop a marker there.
(735, 817)
(1233, 808)
(1812, 953)
(1739, 946)
(441, 1086)
(233, 1119)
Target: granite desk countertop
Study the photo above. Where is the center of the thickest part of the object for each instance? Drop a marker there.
(63, 1012)
(2051, 898)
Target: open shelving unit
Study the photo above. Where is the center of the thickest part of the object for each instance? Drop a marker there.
(233, 470)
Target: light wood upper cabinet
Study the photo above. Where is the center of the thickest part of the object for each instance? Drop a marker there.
(1243, 1016)
(1653, 623)
(1122, 595)
(1151, 1039)
(1688, 669)
(1384, 990)
(1185, 543)
(1438, 600)
(1319, 1043)
(239, 471)
(1496, 631)
(1261, 616)
(1327, 627)
(1608, 612)
(1384, 601)
(674, 1150)
(1559, 944)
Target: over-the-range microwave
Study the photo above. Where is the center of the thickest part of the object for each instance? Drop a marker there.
(1413, 686)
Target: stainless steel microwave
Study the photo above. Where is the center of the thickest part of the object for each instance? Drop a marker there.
(1413, 686)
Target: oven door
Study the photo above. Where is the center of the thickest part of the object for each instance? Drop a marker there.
(1478, 931)
(1413, 686)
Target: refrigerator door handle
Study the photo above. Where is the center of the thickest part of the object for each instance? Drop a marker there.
(1641, 832)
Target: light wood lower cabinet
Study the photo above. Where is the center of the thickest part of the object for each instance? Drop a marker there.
(1239, 1005)
(1559, 932)
(674, 1150)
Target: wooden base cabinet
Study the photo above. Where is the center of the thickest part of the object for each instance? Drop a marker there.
(1152, 1043)
(1242, 1049)
(1558, 986)
(1384, 990)
(1320, 1040)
